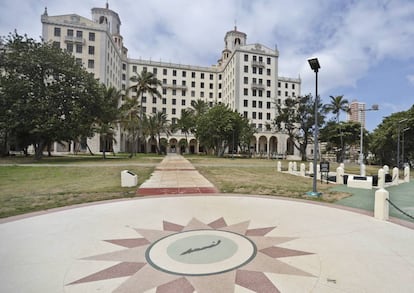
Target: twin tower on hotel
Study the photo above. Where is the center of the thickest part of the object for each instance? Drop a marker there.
(245, 78)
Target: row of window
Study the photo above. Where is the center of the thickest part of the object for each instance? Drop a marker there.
(70, 33)
(279, 93)
(257, 93)
(174, 72)
(257, 115)
(257, 70)
(79, 48)
(256, 104)
(258, 59)
(257, 81)
(286, 85)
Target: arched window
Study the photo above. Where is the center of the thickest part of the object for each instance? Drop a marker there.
(237, 41)
(102, 20)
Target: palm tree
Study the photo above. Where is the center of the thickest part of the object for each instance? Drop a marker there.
(108, 117)
(145, 83)
(163, 126)
(337, 105)
(154, 126)
(186, 122)
(130, 121)
(200, 107)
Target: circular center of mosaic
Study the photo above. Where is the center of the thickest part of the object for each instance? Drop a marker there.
(200, 252)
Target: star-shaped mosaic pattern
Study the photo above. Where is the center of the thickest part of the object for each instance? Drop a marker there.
(132, 262)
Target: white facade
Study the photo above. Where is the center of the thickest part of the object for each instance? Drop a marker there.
(245, 77)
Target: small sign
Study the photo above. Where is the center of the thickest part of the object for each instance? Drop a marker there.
(324, 166)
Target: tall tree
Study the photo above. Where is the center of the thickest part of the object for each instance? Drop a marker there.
(200, 107)
(156, 125)
(145, 83)
(337, 105)
(296, 116)
(385, 138)
(130, 120)
(108, 118)
(219, 126)
(186, 122)
(47, 96)
(342, 134)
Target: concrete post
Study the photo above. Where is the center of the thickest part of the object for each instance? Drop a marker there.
(363, 173)
(395, 176)
(381, 178)
(407, 174)
(302, 170)
(386, 169)
(339, 175)
(381, 208)
(279, 166)
(311, 168)
(290, 167)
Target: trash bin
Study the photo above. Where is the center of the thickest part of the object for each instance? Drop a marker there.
(128, 179)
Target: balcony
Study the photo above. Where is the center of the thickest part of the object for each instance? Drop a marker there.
(72, 39)
(258, 64)
(258, 86)
(175, 86)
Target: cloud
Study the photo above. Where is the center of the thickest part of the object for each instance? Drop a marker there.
(348, 37)
(411, 78)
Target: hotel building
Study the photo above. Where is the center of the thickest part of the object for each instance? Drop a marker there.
(245, 78)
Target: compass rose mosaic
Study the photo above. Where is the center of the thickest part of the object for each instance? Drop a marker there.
(213, 257)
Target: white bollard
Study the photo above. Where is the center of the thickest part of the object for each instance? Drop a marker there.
(386, 169)
(311, 168)
(302, 170)
(381, 208)
(342, 165)
(339, 175)
(381, 178)
(395, 176)
(290, 167)
(407, 174)
(295, 167)
(279, 166)
(363, 168)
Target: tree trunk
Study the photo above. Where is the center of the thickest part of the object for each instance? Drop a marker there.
(90, 151)
(39, 150)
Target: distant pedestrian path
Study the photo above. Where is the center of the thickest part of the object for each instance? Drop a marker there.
(176, 175)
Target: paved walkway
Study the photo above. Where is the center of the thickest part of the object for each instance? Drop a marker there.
(176, 175)
(204, 243)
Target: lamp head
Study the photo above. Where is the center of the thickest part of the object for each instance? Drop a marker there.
(314, 64)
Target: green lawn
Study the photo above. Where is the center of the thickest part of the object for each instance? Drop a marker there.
(27, 185)
(61, 181)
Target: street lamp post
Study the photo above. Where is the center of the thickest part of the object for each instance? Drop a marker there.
(314, 64)
(404, 130)
(361, 153)
(398, 141)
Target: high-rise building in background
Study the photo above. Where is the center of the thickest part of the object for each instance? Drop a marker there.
(245, 78)
(357, 112)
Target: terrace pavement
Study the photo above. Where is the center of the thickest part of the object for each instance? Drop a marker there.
(187, 237)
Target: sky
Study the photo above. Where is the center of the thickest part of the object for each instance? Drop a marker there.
(365, 47)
